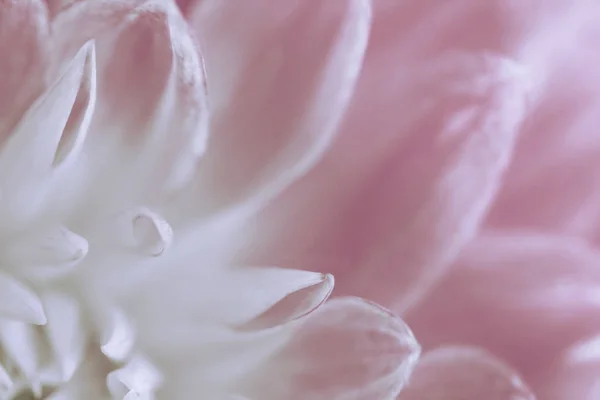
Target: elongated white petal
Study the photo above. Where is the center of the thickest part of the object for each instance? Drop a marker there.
(65, 332)
(18, 302)
(46, 252)
(49, 136)
(22, 343)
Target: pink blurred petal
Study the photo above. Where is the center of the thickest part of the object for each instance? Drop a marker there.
(553, 183)
(280, 77)
(23, 45)
(402, 206)
(348, 350)
(574, 375)
(524, 296)
(463, 373)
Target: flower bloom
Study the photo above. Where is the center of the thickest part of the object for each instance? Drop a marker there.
(133, 161)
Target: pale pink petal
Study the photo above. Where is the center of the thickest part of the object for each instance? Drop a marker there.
(554, 182)
(523, 296)
(280, 77)
(463, 373)
(348, 350)
(151, 121)
(23, 45)
(574, 375)
(387, 217)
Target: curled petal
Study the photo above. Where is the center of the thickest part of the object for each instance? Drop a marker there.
(280, 82)
(349, 349)
(464, 373)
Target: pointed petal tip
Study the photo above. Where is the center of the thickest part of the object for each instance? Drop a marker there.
(19, 302)
(296, 305)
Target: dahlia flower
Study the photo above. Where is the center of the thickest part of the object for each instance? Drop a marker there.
(135, 155)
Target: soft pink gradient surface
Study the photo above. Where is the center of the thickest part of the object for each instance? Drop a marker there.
(462, 189)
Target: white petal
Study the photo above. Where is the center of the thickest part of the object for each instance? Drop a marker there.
(46, 252)
(119, 338)
(137, 377)
(18, 302)
(50, 135)
(6, 382)
(152, 234)
(65, 332)
(22, 343)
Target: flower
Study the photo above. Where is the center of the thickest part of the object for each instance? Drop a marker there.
(465, 195)
(132, 166)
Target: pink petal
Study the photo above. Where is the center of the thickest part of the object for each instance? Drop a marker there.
(525, 297)
(574, 375)
(463, 373)
(553, 183)
(404, 204)
(349, 350)
(23, 44)
(151, 122)
(280, 76)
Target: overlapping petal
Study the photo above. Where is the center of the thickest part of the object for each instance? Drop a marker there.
(527, 297)
(347, 350)
(453, 373)
(390, 228)
(281, 75)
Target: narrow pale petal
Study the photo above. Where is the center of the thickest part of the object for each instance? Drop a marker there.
(295, 305)
(18, 302)
(45, 253)
(265, 297)
(275, 109)
(348, 350)
(49, 136)
(455, 373)
(23, 343)
(23, 36)
(65, 332)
